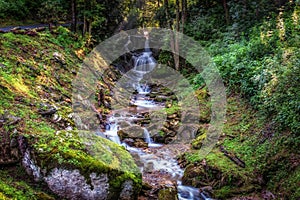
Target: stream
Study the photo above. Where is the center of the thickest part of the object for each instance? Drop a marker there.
(157, 162)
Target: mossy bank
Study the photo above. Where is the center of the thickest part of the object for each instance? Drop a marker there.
(38, 133)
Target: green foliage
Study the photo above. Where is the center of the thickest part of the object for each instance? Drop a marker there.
(28, 68)
(205, 24)
(51, 11)
(14, 8)
(11, 188)
(263, 68)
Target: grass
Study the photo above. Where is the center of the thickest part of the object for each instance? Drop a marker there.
(14, 188)
(31, 77)
(267, 154)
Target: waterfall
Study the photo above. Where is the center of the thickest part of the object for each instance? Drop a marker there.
(148, 139)
(147, 136)
(143, 64)
(161, 160)
(111, 131)
(190, 193)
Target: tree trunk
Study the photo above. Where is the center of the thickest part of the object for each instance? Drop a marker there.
(74, 19)
(90, 27)
(169, 22)
(226, 11)
(183, 20)
(84, 26)
(174, 39)
(176, 45)
(50, 26)
(184, 14)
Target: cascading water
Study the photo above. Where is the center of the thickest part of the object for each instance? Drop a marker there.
(112, 131)
(149, 140)
(144, 64)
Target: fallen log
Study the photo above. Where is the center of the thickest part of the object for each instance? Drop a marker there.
(233, 157)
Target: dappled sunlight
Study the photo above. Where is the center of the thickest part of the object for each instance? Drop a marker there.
(16, 85)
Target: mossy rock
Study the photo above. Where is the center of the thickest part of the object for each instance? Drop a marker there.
(134, 132)
(88, 153)
(227, 191)
(169, 193)
(197, 142)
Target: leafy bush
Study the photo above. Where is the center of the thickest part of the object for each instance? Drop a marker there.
(16, 9)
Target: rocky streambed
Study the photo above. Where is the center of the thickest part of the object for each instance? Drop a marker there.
(150, 141)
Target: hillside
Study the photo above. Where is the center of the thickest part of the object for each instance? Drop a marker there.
(39, 139)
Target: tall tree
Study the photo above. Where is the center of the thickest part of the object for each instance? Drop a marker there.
(52, 11)
(74, 15)
(226, 11)
(177, 25)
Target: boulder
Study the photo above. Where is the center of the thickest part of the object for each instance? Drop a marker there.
(80, 165)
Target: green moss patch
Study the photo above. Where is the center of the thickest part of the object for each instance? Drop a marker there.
(12, 188)
(271, 158)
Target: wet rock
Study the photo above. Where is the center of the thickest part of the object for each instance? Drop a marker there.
(129, 141)
(173, 116)
(168, 140)
(71, 184)
(30, 166)
(122, 134)
(191, 175)
(127, 191)
(140, 143)
(137, 159)
(149, 167)
(134, 132)
(59, 58)
(123, 124)
(160, 98)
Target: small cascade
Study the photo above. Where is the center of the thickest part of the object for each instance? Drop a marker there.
(143, 64)
(147, 136)
(190, 193)
(149, 140)
(143, 88)
(112, 131)
(160, 156)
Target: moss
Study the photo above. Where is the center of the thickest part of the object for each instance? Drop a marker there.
(4, 197)
(88, 153)
(271, 159)
(30, 76)
(167, 193)
(227, 191)
(197, 142)
(11, 188)
(175, 108)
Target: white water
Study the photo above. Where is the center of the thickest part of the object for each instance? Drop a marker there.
(112, 131)
(164, 161)
(149, 140)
